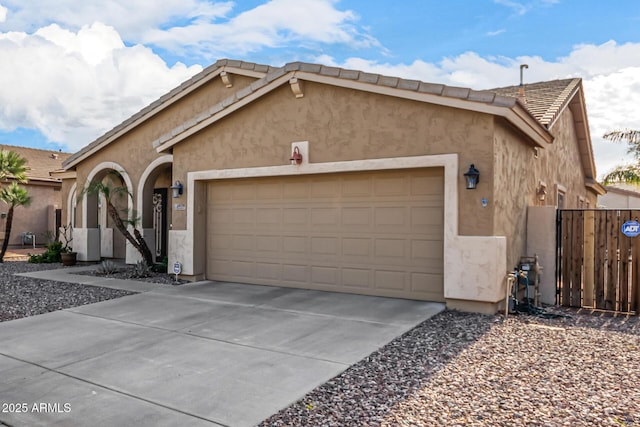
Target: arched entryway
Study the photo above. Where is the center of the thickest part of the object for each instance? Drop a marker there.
(153, 201)
(97, 237)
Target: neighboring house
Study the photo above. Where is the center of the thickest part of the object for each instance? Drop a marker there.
(378, 204)
(39, 218)
(627, 197)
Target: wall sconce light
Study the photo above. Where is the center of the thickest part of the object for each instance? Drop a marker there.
(176, 189)
(296, 157)
(472, 177)
(542, 191)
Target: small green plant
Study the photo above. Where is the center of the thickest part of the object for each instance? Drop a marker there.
(107, 267)
(139, 270)
(54, 249)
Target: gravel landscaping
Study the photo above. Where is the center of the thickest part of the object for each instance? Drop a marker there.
(460, 369)
(24, 296)
(456, 369)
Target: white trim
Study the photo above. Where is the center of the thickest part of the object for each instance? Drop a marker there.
(167, 158)
(70, 207)
(474, 266)
(448, 161)
(97, 169)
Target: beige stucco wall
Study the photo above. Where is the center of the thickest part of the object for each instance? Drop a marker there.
(133, 151)
(341, 125)
(558, 164)
(35, 217)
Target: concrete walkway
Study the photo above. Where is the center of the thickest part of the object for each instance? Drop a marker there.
(201, 354)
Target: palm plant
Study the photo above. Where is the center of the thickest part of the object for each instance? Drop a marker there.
(12, 165)
(100, 188)
(628, 174)
(14, 196)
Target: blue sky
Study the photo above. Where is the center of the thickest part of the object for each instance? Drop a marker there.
(72, 70)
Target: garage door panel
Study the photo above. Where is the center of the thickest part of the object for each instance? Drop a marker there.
(356, 217)
(356, 277)
(426, 249)
(295, 273)
(243, 242)
(357, 247)
(324, 217)
(271, 216)
(390, 280)
(392, 218)
(268, 271)
(427, 216)
(269, 244)
(391, 186)
(374, 233)
(325, 275)
(294, 245)
(295, 217)
(324, 246)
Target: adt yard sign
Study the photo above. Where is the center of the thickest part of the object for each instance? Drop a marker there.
(631, 228)
(177, 268)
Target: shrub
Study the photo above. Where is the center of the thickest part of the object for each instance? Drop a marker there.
(107, 267)
(54, 249)
(139, 270)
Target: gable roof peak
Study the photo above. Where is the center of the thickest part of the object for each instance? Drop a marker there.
(545, 100)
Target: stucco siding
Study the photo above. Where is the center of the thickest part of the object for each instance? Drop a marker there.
(134, 151)
(516, 187)
(35, 217)
(341, 125)
(563, 163)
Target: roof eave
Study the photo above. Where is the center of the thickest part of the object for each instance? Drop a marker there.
(506, 107)
(595, 187)
(154, 108)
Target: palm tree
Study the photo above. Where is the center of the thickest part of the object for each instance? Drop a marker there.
(12, 165)
(13, 195)
(99, 188)
(628, 174)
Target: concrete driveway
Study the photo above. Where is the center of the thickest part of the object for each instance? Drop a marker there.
(201, 354)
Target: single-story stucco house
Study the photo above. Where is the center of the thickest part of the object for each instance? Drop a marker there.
(620, 196)
(331, 179)
(39, 218)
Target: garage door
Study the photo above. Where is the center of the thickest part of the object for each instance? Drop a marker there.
(374, 233)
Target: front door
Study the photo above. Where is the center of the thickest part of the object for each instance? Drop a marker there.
(160, 223)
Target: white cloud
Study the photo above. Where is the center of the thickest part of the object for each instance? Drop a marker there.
(197, 26)
(610, 73)
(3, 13)
(273, 24)
(73, 86)
(517, 7)
(496, 33)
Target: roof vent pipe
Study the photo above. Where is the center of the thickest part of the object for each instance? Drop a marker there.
(521, 94)
(522, 67)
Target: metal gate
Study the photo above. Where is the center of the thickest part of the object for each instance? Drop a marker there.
(597, 264)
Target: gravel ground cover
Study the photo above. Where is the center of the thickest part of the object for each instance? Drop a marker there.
(24, 296)
(460, 369)
(125, 273)
(456, 369)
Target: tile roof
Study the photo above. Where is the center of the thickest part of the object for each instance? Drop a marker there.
(465, 94)
(175, 92)
(40, 162)
(545, 100)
